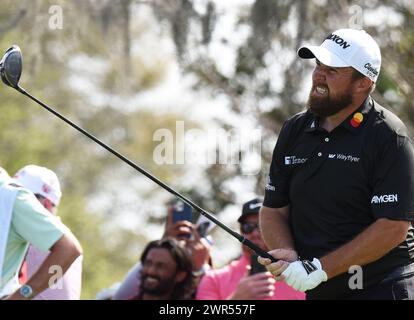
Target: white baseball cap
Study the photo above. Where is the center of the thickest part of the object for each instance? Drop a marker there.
(347, 48)
(40, 180)
(4, 173)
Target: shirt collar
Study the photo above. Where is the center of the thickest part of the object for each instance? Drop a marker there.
(313, 124)
(352, 123)
(358, 118)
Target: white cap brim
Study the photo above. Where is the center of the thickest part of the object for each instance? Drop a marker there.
(323, 55)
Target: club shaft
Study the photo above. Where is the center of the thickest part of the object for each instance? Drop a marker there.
(239, 237)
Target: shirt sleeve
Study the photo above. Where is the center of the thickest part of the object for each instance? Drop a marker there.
(207, 288)
(129, 287)
(34, 224)
(277, 187)
(393, 181)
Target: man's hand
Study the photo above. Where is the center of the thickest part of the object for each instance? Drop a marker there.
(200, 249)
(254, 287)
(187, 232)
(179, 230)
(284, 257)
(296, 276)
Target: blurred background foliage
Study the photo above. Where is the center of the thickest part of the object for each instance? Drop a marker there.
(101, 68)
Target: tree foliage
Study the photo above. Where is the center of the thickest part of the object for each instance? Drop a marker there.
(276, 29)
(107, 53)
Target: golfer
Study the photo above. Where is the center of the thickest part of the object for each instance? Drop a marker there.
(341, 184)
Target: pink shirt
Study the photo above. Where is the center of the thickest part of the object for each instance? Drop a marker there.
(220, 284)
(67, 288)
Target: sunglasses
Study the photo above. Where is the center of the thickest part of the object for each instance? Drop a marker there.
(41, 198)
(249, 227)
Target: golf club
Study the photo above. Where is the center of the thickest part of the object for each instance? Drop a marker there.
(11, 66)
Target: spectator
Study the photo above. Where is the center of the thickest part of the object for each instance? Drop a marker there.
(188, 232)
(234, 281)
(25, 221)
(184, 231)
(166, 272)
(46, 187)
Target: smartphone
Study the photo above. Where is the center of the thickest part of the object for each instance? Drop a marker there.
(256, 267)
(202, 228)
(182, 211)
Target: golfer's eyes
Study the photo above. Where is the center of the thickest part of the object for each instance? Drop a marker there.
(328, 69)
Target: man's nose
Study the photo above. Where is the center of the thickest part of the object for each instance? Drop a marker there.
(319, 73)
(150, 270)
(257, 232)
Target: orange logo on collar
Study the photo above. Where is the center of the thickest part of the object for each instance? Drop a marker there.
(357, 119)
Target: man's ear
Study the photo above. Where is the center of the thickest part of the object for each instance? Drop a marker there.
(364, 84)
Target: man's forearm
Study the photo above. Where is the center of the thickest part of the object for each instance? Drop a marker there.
(62, 254)
(275, 228)
(370, 245)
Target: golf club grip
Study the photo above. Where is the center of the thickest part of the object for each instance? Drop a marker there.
(307, 265)
(259, 251)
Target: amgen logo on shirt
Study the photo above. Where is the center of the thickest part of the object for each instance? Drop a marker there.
(384, 198)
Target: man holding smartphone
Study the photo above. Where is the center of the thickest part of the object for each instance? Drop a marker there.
(180, 227)
(239, 280)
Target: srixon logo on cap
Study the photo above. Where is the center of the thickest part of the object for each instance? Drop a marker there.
(338, 40)
(46, 188)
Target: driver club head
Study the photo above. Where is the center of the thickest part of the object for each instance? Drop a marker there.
(11, 66)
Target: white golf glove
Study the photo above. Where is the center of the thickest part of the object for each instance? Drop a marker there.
(296, 276)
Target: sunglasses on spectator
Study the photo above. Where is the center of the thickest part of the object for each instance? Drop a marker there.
(41, 198)
(249, 227)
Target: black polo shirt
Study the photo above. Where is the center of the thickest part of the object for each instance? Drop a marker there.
(338, 183)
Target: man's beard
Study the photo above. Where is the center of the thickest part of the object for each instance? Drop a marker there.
(327, 106)
(164, 286)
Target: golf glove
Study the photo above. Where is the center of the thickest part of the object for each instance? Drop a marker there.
(296, 276)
